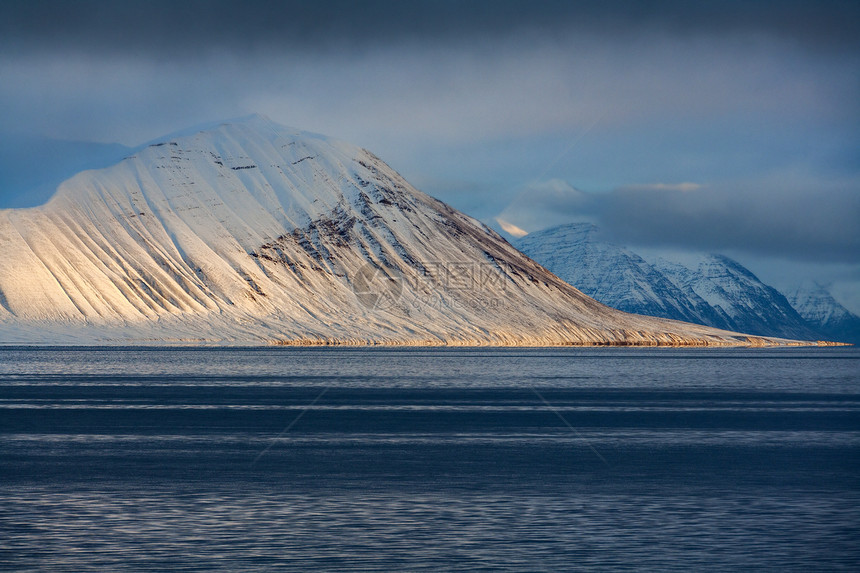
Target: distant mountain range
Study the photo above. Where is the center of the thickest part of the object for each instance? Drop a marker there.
(710, 289)
(249, 232)
(818, 307)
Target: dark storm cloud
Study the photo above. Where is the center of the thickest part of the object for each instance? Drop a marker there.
(455, 70)
(787, 216)
(817, 222)
(479, 98)
(180, 29)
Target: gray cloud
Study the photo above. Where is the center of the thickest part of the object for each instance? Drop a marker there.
(436, 92)
(755, 101)
(398, 74)
(817, 221)
(171, 29)
(789, 216)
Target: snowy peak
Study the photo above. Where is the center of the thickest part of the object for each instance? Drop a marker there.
(258, 170)
(710, 289)
(171, 228)
(817, 306)
(249, 232)
(611, 274)
(814, 303)
(739, 298)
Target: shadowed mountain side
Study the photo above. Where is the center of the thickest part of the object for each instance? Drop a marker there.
(818, 307)
(712, 290)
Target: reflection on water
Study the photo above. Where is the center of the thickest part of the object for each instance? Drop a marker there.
(247, 526)
(188, 459)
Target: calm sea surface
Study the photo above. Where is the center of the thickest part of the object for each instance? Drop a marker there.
(429, 459)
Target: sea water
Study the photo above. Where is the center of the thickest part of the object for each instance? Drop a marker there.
(429, 459)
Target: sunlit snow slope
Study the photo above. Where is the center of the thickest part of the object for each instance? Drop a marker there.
(253, 233)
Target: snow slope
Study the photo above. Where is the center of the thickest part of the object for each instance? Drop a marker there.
(612, 274)
(711, 289)
(740, 299)
(251, 233)
(817, 306)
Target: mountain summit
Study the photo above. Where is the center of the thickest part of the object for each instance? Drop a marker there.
(254, 233)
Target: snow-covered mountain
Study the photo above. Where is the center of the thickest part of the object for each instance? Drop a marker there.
(740, 300)
(712, 289)
(253, 233)
(612, 274)
(818, 307)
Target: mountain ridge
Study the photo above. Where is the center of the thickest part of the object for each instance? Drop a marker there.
(712, 289)
(817, 306)
(254, 233)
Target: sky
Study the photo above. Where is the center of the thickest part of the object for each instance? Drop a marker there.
(729, 127)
